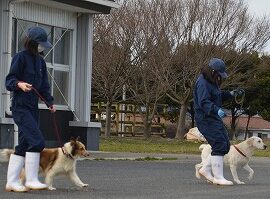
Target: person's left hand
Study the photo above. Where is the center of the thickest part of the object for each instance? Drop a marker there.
(237, 92)
(221, 113)
(52, 109)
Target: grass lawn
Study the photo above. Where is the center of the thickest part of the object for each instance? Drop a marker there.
(157, 145)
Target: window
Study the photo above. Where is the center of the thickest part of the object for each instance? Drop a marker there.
(262, 135)
(58, 60)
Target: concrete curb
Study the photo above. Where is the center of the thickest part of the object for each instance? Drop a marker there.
(105, 155)
(95, 155)
(152, 158)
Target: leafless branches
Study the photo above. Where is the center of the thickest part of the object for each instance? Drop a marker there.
(158, 47)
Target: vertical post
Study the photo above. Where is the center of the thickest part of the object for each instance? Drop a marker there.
(117, 119)
(99, 111)
(123, 109)
(134, 120)
(84, 67)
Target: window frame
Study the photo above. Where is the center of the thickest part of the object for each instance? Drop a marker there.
(51, 65)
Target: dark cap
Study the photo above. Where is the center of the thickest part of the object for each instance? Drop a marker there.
(39, 35)
(218, 65)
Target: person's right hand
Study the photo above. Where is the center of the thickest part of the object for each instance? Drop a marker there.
(24, 86)
(52, 109)
(221, 113)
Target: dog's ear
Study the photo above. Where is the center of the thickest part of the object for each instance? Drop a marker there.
(250, 141)
(72, 140)
(78, 138)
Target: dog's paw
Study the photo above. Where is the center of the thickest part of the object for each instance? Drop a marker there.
(198, 176)
(84, 185)
(250, 177)
(239, 182)
(51, 188)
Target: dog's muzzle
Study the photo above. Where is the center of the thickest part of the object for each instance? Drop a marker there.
(265, 146)
(86, 154)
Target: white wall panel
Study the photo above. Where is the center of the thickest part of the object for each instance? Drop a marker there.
(84, 67)
(4, 52)
(45, 15)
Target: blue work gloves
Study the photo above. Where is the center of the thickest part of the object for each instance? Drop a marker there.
(221, 113)
(237, 92)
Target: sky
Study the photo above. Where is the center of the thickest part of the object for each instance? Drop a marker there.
(260, 8)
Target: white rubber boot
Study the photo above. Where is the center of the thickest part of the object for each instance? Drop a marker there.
(206, 169)
(15, 166)
(217, 168)
(31, 171)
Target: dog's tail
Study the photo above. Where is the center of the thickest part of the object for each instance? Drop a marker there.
(5, 154)
(201, 147)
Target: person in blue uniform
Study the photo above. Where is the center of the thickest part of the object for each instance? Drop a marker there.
(208, 98)
(28, 72)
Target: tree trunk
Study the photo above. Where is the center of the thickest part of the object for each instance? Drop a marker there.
(147, 124)
(147, 129)
(181, 122)
(246, 132)
(108, 119)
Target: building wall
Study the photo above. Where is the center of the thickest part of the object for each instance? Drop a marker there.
(1, 53)
(4, 52)
(31, 12)
(81, 69)
(49, 131)
(262, 134)
(46, 15)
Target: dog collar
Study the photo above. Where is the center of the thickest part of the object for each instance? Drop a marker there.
(237, 149)
(66, 153)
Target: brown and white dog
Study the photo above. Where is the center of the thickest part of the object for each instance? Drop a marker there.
(238, 156)
(58, 161)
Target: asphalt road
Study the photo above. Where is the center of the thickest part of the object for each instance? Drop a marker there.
(119, 179)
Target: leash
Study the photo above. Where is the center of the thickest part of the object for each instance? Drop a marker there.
(53, 117)
(239, 151)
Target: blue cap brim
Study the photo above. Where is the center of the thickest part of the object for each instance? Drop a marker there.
(223, 75)
(45, 44)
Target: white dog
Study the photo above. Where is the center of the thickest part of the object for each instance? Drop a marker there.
(238, 156)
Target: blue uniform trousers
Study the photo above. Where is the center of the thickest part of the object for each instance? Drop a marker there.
(30, 137)
(216, 136)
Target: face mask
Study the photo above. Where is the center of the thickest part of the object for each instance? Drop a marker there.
(40, 48)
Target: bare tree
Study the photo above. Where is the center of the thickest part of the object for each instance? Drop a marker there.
(150, 82)
(157, 47)
(212, 29)
(147, 85)
(114, 36)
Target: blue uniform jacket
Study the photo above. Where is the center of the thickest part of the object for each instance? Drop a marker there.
(208, 100)
(29, 68)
